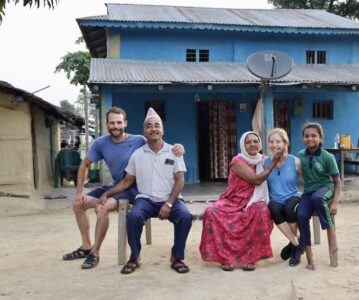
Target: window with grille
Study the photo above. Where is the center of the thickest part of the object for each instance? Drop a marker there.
(323, 109)
(310, 54)
(203, 55)
(316, 57)
(191, 55)
(321, 57)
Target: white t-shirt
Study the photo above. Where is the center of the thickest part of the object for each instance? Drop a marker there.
(155, 171)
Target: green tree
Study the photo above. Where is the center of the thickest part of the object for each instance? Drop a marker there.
(348, 8)
(68, 106)
(76, 66)
(30, 3)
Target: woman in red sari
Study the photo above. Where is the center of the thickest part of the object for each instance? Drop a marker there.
(237, 227)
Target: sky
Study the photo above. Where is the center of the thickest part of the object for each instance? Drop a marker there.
(33, 41)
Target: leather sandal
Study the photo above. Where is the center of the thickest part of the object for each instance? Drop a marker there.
(179, 266)
(130, 267)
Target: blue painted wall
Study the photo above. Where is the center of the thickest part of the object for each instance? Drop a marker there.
(180, 107)
(345, 113)
(233, 46)
(180, 110)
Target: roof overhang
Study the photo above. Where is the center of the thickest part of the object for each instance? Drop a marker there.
(58, 112)
(135, 72)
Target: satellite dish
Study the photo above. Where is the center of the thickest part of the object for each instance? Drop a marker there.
(268, 65)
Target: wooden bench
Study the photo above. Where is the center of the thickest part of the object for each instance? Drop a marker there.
(352, 162)
(196, 208)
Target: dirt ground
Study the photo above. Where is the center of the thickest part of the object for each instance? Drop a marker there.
(32, 245)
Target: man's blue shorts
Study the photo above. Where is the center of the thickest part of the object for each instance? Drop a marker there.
(128, 194)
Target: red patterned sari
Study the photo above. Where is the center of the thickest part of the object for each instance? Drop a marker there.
(232, 235)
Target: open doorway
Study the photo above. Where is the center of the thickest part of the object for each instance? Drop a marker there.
(217, 138)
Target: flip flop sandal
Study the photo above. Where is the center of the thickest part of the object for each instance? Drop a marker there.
(179, 266)
(79, 253)
(51, 197)
(91, 261)
(130, 267)
(249, 267)
(227, 268)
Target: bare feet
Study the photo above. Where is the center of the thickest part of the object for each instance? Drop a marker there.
(310, 259)
(310, 267)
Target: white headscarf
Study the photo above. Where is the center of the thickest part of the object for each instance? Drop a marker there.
(260, 191)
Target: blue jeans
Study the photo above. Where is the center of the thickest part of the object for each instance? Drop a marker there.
(144, 209)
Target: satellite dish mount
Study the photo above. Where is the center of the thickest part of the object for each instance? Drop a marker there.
(268, 65)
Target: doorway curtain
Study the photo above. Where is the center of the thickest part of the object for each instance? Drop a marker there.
(281, 116)
(223, 137)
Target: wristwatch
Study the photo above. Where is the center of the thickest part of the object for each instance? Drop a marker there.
(169, 204)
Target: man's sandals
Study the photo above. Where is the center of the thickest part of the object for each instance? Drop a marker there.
(130, 267)
(179, 266)
(91, 261)
(78, 253)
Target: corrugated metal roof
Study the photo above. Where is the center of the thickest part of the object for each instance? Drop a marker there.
(57, 111)
(118, 71)
(287, 21)
(298, 18)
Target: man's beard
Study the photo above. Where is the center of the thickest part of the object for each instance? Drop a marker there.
(118, 133)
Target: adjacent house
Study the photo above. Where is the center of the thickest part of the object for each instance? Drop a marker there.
(189, 63)
(29, 139)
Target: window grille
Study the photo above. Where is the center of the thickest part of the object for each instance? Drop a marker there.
(323, 109)
(203, 55)
(191, 55)
(321, 57)
(310, 57)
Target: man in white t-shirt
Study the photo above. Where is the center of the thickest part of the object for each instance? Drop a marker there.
(159, 176)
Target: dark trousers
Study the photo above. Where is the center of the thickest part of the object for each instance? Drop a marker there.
(315, 201)
(144, 209)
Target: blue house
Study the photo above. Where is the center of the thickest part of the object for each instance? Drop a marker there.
(190, 65)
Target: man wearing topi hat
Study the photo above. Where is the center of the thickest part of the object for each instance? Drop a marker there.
(115, 149)
(159, 175)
